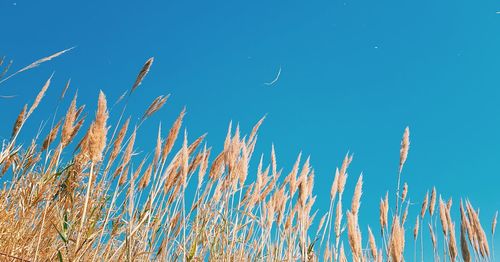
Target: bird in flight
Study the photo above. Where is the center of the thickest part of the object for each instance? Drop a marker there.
(275, 78)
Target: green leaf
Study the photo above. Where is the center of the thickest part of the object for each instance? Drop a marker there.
(65, 222)
(59, 255)
(192, 251)
(63, 237)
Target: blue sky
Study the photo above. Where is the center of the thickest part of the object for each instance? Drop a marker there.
(354, 75)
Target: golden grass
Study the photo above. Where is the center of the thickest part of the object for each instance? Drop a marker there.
(97, 199)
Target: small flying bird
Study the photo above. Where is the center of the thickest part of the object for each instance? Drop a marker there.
(275, 79)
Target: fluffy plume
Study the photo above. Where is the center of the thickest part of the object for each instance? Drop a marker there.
(19, 121)
(96, 140)
(416, 228)
(172, 136)
(69, 123)
(405, 147)
(397, 241)
(354, 236)
(356, 199)
(39, 97)
(463, 242)
(373, 246)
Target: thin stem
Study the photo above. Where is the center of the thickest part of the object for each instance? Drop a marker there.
(86, 204)
(397, 192)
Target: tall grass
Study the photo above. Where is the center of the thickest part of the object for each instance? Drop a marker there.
(80, 192)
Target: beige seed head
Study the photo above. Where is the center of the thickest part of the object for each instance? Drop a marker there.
(135, 175)
(384, 211)
(327, 254)
(396, 241)
(405, 146)
(43, 60)
(335, 186)
(172, 136)
(143, 183)
(383, 221)
(63, 93)
(433, 201)
(69, 121)
(373, 246)
(338, 218)
(405, 214)
(343, 173)
(356, 199)
(19, 120)
(353, 236)
(39, 97)
(452, 243)
(184, 159)
(158, 146)
(123, 177)
(273, 160)
(494, 223)
(51, 136)
(142, 74)
(203, 166)
(442, 216)
(463, 243)
(127, 155)
(416, 228)
(342, 257)
(424, 204)
(156, 105)
(96, 140)
(255, 129)
(119, 140)
(405, 192)
(321, 222)
(433, 237)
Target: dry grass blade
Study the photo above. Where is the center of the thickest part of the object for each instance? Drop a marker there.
(37, 63)
(63, 93)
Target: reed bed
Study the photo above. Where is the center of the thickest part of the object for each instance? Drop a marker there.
(79, 191)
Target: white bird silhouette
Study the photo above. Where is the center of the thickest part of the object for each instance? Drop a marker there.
(275, 79)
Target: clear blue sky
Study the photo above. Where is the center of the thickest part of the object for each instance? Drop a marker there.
(354, 75)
